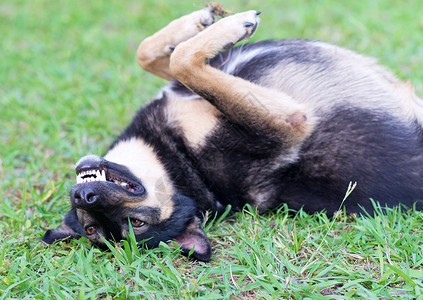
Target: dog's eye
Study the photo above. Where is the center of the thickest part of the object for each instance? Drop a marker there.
(137, 223)
(90, 230)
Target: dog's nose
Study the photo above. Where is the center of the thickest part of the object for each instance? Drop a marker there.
(85, 197)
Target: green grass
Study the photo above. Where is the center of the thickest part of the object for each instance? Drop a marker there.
(69, 83)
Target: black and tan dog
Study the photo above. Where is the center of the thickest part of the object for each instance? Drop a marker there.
(266, 123)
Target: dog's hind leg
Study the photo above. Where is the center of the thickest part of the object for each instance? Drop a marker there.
(153, 53)
(239, 100)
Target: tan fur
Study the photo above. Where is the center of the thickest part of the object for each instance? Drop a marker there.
(411, 102)
(195, 117)
(153, 53)
(86, 220)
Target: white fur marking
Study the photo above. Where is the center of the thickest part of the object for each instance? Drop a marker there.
(141, 160)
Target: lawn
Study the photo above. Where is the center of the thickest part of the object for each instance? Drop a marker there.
(69, 83)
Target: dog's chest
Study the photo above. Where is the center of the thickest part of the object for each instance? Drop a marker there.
(194, 118)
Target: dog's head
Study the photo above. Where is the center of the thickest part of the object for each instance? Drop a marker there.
(129, 186)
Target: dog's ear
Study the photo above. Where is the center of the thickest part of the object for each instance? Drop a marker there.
(194, 237)
(69, 229)
(60, 234)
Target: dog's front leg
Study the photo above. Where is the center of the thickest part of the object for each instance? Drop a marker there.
(153, 53)
(239, 100)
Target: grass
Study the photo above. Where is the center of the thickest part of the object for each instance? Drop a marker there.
(69, 83)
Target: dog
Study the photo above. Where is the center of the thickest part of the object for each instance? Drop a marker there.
(265, 123)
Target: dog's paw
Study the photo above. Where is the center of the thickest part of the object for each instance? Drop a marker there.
(250, 23)
(241, 26)
(221, 35)
(204, 18)
(188, 26)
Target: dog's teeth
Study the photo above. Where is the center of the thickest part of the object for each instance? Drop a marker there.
(91, 175)
(101, 175)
